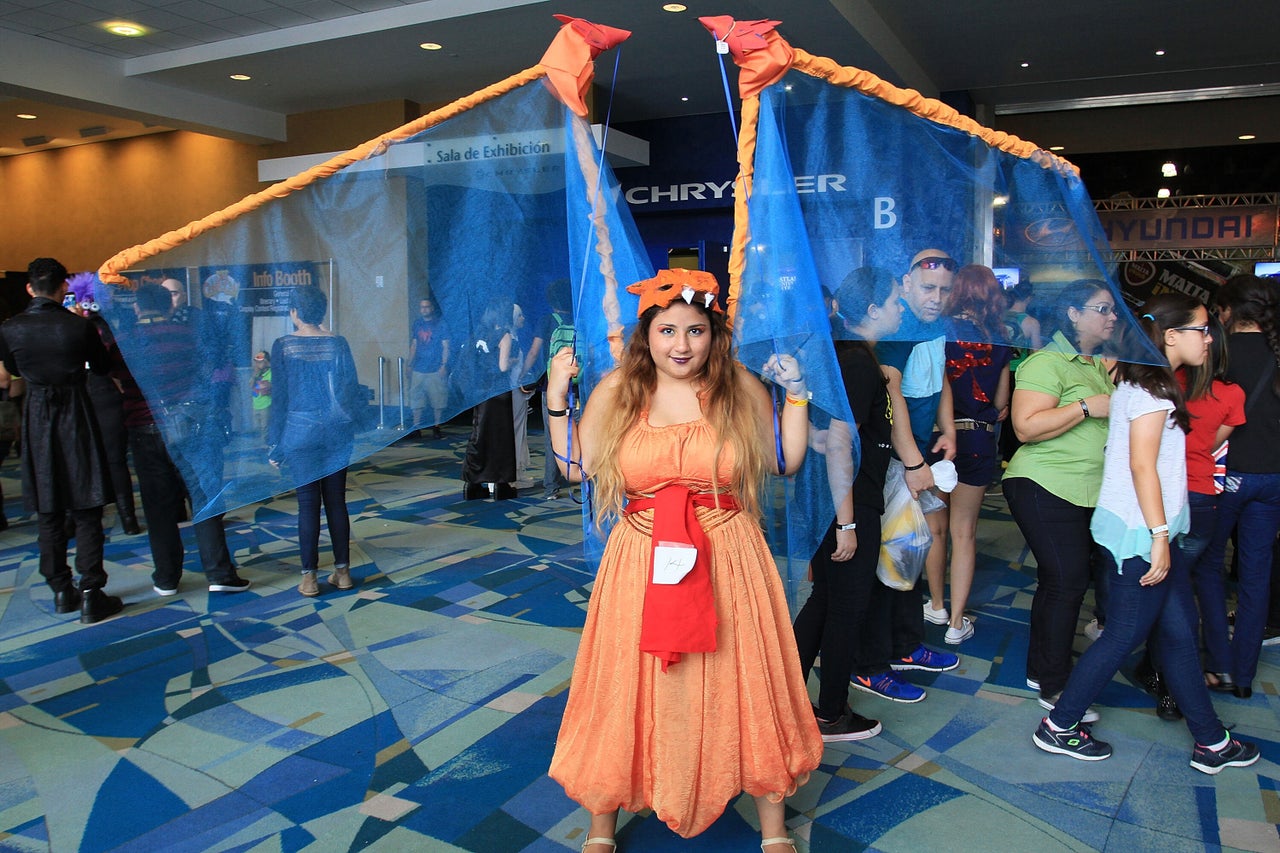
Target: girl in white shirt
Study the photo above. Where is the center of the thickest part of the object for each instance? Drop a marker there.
(1141, 507)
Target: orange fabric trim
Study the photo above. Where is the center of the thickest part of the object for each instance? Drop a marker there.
(111, 269)
(926, 108)
(741, 195)
(604, 243)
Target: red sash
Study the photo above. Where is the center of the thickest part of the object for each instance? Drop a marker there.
(679, 618)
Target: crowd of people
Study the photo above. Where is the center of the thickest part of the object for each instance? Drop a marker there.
(690, 683)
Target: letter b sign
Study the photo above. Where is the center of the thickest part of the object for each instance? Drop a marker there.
(883, 214)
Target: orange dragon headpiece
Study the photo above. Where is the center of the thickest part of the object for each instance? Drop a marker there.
(663, 288)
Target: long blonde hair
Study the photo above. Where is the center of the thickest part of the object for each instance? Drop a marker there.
(727, 405)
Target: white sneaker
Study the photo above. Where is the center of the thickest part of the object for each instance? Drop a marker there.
(1048, 702)
(937, 617)
(956, 636)
(1093, 630)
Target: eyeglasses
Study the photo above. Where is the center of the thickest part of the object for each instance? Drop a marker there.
(1204, 330)
(1103, 309)
(934, 263)
(174, 294)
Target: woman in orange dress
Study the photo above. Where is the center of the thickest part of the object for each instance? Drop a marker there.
(687, 687)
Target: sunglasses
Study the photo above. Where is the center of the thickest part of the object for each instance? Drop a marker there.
(1104, 310)
(933, 263)
(1204, 330)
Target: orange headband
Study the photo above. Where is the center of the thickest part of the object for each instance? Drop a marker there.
(663, 288)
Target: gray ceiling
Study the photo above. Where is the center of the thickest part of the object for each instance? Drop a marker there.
(57, 62)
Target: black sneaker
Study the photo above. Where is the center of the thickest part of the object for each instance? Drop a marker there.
(1166, 708)
(1077, 742)
(231, 584)
(1237, 753)
(848, 726)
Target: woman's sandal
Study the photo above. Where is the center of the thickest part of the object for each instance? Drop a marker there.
(590, 841)
(778, 839)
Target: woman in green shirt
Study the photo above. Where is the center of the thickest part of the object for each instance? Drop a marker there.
(1059, 410)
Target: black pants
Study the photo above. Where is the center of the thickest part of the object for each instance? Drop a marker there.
(108, 407)
(163, 497)
(52, 537)
(491, 450)
(834, 619)
(332, 492)
(1057, 531)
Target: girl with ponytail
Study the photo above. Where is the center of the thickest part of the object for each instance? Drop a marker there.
(1142, 511)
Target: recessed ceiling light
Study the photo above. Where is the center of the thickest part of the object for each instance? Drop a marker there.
(684, 98)
(1159, 53)
(1244, 136)
(430, 45)
(1026, 65)
(124, 28)
(30, 116)
(1163, 192)
(1057, 147)
(674, 7)
(241, 77)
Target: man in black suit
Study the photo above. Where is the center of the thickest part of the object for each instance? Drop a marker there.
(64, 466)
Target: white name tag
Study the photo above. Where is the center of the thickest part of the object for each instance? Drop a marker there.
(672, 561)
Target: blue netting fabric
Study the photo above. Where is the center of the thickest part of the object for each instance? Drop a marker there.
(480, 213)
(844, 181)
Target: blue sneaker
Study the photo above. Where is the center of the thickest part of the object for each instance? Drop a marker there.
(887, 686)
(927, 660)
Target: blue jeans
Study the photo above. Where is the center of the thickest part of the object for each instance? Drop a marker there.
(1251, 504)
(1134, 611)
(1207, 580)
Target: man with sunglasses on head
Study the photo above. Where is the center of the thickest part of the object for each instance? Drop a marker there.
(914, 364)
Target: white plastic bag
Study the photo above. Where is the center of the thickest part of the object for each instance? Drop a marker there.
(904, 533)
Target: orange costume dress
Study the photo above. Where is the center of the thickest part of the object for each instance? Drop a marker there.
(686, 741)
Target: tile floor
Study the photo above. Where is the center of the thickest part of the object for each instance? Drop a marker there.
(418, 710)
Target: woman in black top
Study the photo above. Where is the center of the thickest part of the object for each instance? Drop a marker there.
(833, 619)
(1247, 306)
(314, 399)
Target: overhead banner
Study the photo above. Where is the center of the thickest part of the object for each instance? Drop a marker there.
(1190, 227)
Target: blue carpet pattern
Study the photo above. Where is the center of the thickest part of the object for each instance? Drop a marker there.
(418, 711)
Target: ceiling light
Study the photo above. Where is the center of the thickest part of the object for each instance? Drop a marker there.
(999, 201)
(1159, 53)
(241, 77)
(29, 116)
(124, 28)
(1169, 169)
(1163, 192)
(1057, 147)
(430, 45)
(1244, 136)
(1026, 65)
(674, 7)
(684, 98)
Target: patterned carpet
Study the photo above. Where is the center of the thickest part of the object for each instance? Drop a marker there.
(418, 711)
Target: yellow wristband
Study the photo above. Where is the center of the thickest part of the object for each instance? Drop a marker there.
(797, 401)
